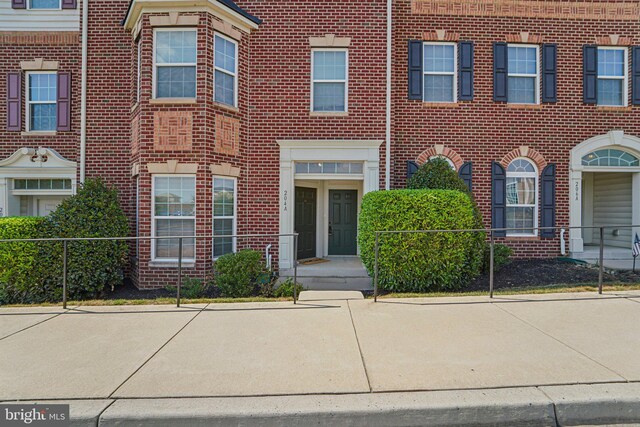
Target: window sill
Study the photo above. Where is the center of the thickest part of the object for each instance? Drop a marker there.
(620, 108)
(173, 101)
(226, 107)
(525, 106)
(520, 237)
(39, 133)
(328, 113)
(440, 104)
(171, 264)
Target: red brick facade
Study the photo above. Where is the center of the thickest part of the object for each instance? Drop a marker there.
(127, 137)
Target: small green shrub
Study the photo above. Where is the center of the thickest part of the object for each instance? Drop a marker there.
(501, 256)
(191, 288)
(420, 262)
(17, 260)
(285, 289)
(240, 274)
(92, 266)
(436, 174)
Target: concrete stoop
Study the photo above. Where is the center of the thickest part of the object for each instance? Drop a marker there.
(597, 404)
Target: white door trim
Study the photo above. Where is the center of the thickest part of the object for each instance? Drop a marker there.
(291, 151)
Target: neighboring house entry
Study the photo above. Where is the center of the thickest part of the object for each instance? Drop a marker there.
(305, 221)
(343, 222)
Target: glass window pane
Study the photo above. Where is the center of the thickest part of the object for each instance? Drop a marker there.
(225, 88)
(522, 60)
(521, 191)
(42, 87)
(176, 47)
(521, 165)
(42, 117)
(328, 97)
(168, 248)
(520, 220)
(610, 92)
(438, 88)
(439, 58)
(174, 196)
(44, 4)
(225, 54)
(19, 184)
(176, 82)
(611, 62)
(609, 157)
(302, 167)
(223, 197)
(329, 65)
(356, 168)
(222, 245)
(522, 90)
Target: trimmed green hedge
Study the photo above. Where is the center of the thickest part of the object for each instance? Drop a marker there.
(420, 262)
(18, 260)
(436, 174)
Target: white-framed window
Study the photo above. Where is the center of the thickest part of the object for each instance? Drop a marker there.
(41, 99)
(224, 215)
(44, 4)
(139, 71)
(523, 72)
(174, 215)
(440, 77)
(225, 60)
(329, 80)
(612, 76)
(174, 57)
(522, 198)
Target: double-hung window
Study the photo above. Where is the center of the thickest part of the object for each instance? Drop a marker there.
(522, 198)
(439, 68)
(224, 215)
(174, 215)
(41, 101)
(612, 76)
(329, 76)
(44, 4)
(524, 74)
(226, 70)
(175, 63)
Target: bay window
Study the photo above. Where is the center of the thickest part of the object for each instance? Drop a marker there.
(174, 68)
(224, 215)
(174, 215)
(226, 70)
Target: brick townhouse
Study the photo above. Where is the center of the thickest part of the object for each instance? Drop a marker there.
(265, 117)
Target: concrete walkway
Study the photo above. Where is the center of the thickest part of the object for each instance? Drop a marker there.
(537, 359)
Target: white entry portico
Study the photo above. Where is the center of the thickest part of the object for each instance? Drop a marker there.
(364, 153)
(33, 181)
(604, 189)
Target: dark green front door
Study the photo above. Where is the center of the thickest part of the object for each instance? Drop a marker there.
(305, 221)
(343, 222)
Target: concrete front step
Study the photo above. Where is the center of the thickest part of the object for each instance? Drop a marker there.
(336, 283)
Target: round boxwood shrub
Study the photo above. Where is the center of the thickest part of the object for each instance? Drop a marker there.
(240, 274)
(420, 262)
(92, 266)
(436, 174)
(18, 259)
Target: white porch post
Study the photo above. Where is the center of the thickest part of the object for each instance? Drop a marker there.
(635, 204)
(4, 198)
(286, 208)
(576, 244)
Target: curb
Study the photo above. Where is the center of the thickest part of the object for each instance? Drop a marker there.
(597, 404)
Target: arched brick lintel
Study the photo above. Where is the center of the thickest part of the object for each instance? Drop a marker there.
(529, 153)
(440, 150)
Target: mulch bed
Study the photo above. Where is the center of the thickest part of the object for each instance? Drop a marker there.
(546, 272)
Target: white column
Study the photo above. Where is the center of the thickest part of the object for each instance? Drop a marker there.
(4, 198)
(371, 176)
(635, 203)
(286, 211)
(576, 244)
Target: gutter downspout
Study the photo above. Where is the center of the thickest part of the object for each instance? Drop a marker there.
(83, 95)
(387, 158)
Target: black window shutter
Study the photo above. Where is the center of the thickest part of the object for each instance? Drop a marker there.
(69, 4)
(498, 198)
(549, 73)
(548, 198)
(415, 69)
(635, 75)
(412, 167)
(500, 77)
(465, 80)
(590, 74)
(465, 173)
(19, 4)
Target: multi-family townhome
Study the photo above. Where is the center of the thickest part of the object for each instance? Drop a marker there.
(215, 117)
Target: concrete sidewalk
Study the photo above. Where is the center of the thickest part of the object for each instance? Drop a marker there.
(525, 360)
